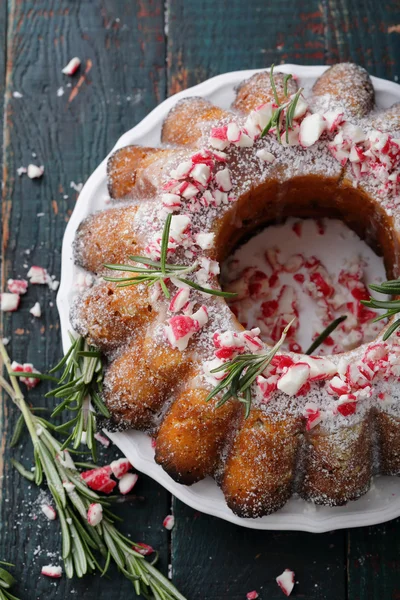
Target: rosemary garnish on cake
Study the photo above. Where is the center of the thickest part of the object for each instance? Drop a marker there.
(325, 333)
(160, 271)
(286, 109)
(392, 307)
(241, 372)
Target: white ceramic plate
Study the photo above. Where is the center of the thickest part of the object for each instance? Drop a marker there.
(382, 502)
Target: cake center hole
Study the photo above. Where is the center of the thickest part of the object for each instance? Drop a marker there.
(314, 270)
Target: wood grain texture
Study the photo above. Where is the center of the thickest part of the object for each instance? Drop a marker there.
(227, 561)
(121, 79)
(373, 562)
(206, 38)
(366, 32)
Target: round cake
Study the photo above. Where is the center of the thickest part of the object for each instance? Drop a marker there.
(217, 399)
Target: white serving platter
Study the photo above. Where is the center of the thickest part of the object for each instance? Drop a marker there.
(382, 502)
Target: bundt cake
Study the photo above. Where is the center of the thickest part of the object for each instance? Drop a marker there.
(265, 424)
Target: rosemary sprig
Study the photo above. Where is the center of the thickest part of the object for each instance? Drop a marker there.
(391, 288)
(6, 583)
(325, 333)
(241, 372)
(83, 545)
(160, 271)
(287, 109)
(79, 388)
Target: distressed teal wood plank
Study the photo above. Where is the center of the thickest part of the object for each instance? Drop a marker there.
(367, 33)
(227, 561)
(374, 562)
(122, 77)
(207, 38)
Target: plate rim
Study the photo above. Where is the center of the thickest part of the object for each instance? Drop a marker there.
(277, 520)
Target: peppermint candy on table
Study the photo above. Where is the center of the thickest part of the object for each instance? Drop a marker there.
(38, 275)
(102, 439)
(30, 382)
(143, 549)
(9, 302)
(99, 479)
(72, 66)
(120, 467)
(252, 595)
(17, 286)
(36, 310)
(169, 522)
(95, 514)
(127, 483)
(52, 571)
(34, 171)
(286, 581)
(48, 511)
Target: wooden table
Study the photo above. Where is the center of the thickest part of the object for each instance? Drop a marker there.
(135, 53)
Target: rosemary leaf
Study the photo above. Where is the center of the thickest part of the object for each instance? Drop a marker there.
(325, 333)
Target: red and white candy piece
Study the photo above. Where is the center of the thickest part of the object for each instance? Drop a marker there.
(102, 439)
(286, 581)
(223, 180)
(311, 129)
(180, 300)
(17, 286)
(36, 310)
(52, 571)
(347, 404)
(293, 380)
(99, 479)
(9, 302)
(49, 512)
(313, 415)
(34, 171)
(72, 66)
(169, 522)
(143, 549)
(127, 483)
(265, 155)
(252, 595)
(30, 382)
(204, 240)
(38, 275)
(95, 514)
(218, 137)
(120, 467)
(179, 226)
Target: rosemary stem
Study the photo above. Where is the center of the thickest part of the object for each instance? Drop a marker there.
(17, 396)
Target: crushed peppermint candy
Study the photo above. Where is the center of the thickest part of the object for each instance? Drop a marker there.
(30, 382)
(286, 581)
(169, 522)
(52, 571)
(35, 172)
(95, 514)
(72, 66)
(36, 310)
(9, 302)
(17, 286)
